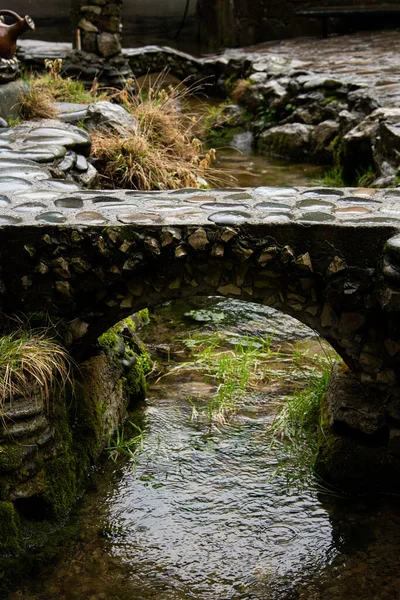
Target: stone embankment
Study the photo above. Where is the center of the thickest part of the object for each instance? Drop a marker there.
(46, 451)
(334, 101)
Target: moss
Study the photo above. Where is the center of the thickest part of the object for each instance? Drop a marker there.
(81, 424)
(144, 316)
(223, 136)
(61, 486)
(134, 382)
(337, 150)
(9, 529)
(11, 457)
(86, 415)
(366, 177)
(109, 340)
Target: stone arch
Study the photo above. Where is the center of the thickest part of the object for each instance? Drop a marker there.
(93, 277)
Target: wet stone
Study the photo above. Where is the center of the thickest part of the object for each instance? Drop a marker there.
(224, 206)
(25, 172)
(168, 207)
(119, 205)
(62, 186)
(271, 192)
(132, 218)
(106, 199)
(277, 218)
(356, 200)
(317, 216)
(81, 163)
(188, 191)
(350, 210)
(229, 218)
(331, 194)
(10, 184)
(7, 220)
(239, 196)
(392, 248)
(34, 196)
(68, 162)
(78, 135)
(382, 218)
(92, 217)
(273, 206)
(197, 199)
(69, 203)
(29, 207)
(47, 154)
(20, 162)
(51, 217)
(315, 205)
(198, 240)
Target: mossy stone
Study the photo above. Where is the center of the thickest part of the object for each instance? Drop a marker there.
(9, 529)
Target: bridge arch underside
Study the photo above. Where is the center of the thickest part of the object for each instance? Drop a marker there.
(329, 278)
(337, 280)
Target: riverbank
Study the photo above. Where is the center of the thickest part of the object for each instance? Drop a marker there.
(333, 101)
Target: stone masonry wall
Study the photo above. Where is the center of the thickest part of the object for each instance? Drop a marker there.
(100, 25)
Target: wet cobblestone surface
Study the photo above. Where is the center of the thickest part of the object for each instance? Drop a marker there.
(29, 195)
(368, 59)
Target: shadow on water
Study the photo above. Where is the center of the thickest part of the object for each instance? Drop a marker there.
(198, 513)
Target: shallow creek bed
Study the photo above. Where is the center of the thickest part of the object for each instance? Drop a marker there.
(199, 511)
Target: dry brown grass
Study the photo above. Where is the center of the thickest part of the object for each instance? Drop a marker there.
(44, 89)
(239, 89)
(36, 103)
(30, 360)
(164, 152)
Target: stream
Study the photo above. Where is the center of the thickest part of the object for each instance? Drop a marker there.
(200, 512)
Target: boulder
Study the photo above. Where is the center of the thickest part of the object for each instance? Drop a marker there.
(107, 116)
(323, 136)
(293, 140)
(371, 143)
(274, 93)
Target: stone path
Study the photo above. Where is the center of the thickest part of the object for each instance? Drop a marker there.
(29, 194)
(367, 59)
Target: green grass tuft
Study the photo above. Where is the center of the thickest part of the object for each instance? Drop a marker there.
(30, 360)
(300, 429)
(121, 445)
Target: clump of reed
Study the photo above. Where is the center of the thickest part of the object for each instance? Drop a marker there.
(163, 151)
(30, 360)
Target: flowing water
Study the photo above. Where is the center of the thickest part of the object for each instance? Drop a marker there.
(199, 513)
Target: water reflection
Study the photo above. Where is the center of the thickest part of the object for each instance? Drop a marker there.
(252, 170)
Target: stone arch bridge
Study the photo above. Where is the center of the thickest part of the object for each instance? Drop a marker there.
(330, 258)
(327, 257)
